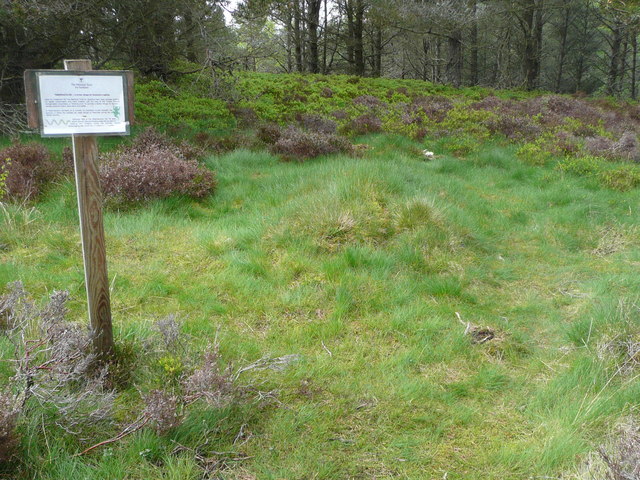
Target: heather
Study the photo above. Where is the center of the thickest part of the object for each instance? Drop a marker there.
(151, 167)
(25, 169)
(353, 106)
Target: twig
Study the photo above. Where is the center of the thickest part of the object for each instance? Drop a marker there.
(467, 325)
(121, 435)
(326, 349)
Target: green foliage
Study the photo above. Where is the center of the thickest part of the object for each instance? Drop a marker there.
(533, 153)
(180, 113)
(462, 120)
(4, 173)
(172, 366)
(622, 178)
(462, 145)
(587, 165)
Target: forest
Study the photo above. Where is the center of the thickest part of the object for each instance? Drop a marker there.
(567, 46)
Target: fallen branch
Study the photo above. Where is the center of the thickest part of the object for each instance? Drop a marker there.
(141, 422)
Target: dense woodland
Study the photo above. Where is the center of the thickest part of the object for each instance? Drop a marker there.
(564, 46)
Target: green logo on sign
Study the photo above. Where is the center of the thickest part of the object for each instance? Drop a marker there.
(116, 112)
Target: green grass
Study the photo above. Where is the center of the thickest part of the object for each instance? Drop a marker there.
(360, 265)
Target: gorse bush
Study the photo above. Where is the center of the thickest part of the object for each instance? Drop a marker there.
(153, 167)
(24, 170)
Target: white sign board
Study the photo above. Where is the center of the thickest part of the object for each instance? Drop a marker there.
(82, 104)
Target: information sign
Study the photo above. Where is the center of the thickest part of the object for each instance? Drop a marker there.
(82, 103)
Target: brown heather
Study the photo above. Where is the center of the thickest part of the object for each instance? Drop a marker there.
(154, 167)
(9, 439)
(295, 144)
(29, 168)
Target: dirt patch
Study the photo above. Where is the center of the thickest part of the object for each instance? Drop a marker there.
(481, 335)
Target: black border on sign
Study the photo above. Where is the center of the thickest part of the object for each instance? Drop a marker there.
(85, 73)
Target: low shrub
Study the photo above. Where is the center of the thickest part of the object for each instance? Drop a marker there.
(369, 101)
(4, 173)
(435, 107)
(587, 165)
(297, 144)
(461, 146)
(533, 154)
(150, 139)
(25, 169)
(599, 146)
(364, 124)
(561, 143)
(8, 422)
(269, 133)
(622, 458)
(221, 144)
(514, 127)
(622, 178)
(464, 121)
(326, 93)
(627, 148)
(59, 383)
(180, 112)
(340, 115)
(153, 167)
(317, 123)
(245, 116)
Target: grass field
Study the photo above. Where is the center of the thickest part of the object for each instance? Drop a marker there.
(452, 317)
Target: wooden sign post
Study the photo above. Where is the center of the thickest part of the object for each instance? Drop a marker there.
(83, 103)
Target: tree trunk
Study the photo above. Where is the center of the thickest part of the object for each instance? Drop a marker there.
(437, 74)
(358, 34)
(614, 66)
(454, 65)
(532, 23)
(473, 60)
(290, 44)
(377, 52)
(297, 35)
(348, 6)
(623, 64)
(634, 63)
(191, 53)
(564, 30)
(324, 44)
(313, 23)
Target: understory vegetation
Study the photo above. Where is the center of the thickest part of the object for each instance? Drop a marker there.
(331, 278)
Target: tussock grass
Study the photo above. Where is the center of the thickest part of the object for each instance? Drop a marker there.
(359, 265)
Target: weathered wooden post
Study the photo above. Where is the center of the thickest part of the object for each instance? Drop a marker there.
(94, 253)
(84, 103)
